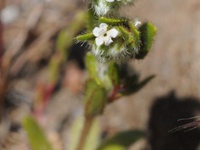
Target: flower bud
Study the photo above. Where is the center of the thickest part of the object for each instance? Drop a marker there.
(105, 7)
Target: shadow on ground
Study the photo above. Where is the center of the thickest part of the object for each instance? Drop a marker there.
(163, 117)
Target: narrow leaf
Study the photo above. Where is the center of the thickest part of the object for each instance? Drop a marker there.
(129, 38)
(37, 138)
(135, 87)
(85, 37)
(122, 140)
(113, 21)
(135, 33)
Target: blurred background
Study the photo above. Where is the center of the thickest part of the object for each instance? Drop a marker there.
(41, 74)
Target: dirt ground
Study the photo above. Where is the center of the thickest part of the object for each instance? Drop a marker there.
(173, 59)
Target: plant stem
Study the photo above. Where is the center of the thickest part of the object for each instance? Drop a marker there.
(85, 131)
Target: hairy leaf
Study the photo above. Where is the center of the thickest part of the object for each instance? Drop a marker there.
(147, 32)
(113, 21)
(85, 37)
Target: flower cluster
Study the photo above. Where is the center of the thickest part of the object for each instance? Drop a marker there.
(116, 39)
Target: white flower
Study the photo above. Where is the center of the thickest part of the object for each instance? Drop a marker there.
(103, 36)
(112, 0)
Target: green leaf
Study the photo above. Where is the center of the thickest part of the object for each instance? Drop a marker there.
(93, 136)
(37, 138)
(113, 21)
(135, 33)
(85, 37)
(134, 87)
(122, 140)
(148, 32)
(95, 98)
(113, 73)
(128, 38)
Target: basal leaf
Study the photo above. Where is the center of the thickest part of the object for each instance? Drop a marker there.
(36, 136)
(122, 140)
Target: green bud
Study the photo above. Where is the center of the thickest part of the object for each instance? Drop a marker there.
(107, 7)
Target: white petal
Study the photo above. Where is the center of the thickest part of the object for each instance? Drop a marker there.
(113, 33)
(99, 41)
(110, 0)
(101, 30)
(103, 27)
(96, 31)
(107, 40)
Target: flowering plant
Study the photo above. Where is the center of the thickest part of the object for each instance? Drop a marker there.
(113, 41)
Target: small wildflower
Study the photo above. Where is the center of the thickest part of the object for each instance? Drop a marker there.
(104, 36)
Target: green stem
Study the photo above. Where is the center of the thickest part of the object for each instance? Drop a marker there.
(85, 132)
